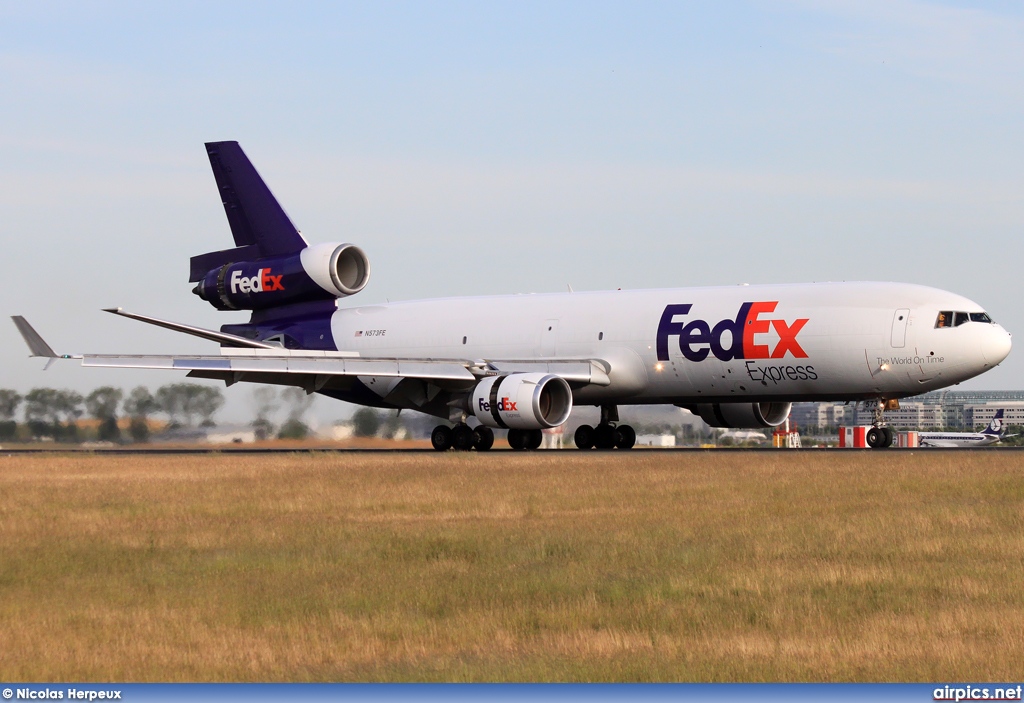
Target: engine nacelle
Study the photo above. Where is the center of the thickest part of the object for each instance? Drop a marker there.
(319, 272)
(748, 416)
(522, 401)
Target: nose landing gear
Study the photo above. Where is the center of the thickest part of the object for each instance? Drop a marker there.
(880, 435)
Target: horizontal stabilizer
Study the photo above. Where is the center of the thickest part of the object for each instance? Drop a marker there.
(222, 337)
(35, 343)
(255, 216)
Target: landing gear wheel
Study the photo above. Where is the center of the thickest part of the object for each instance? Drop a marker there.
(462, 438)
(584, 437)
(625, 437)
(888, 436)
(604, 437)
(517, 439)
(534, 438)
(483, 438)
(876, 437)
(441, 438)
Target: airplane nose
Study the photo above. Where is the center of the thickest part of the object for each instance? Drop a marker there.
(997, 346)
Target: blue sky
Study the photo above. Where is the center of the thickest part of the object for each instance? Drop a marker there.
(599, 144)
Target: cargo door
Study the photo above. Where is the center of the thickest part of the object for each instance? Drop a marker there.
(548, 338)
(898, 339)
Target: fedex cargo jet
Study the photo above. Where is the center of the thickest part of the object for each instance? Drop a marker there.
(738, 356)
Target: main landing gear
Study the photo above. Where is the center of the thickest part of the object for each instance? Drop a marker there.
(462, 438)
(525, 439)
(608, 434)
(880, 435)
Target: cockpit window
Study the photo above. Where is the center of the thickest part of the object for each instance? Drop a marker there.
(955, 318)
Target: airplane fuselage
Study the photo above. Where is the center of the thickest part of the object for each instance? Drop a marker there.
(822, 341)
(956, 440)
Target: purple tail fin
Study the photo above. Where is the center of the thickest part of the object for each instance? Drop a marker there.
(258, 222)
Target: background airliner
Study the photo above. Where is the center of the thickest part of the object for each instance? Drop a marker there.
(737, 356)
(990, 435)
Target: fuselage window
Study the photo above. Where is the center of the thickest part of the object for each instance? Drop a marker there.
(945, 319)
(961, 318)
(981, 317)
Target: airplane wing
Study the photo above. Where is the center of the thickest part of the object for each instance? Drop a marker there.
(316, 370)
(233, 365)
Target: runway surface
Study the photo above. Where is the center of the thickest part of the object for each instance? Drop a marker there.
(422, 450)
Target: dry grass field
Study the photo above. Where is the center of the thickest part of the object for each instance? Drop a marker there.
(557, 566)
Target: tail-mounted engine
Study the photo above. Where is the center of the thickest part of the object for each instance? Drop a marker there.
(522, 401)
(319, 272)
(742, 415)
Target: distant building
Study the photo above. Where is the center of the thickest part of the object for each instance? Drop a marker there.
(220, 434)
(980, 415)
(656, 440)
(930, 411)
(742, 436)
(957, 406)
(238, 435)
(553, 438)
(344, 431)
(341, 432)
(819, 414)
(911, 415)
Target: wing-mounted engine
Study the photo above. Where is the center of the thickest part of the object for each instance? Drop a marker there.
(319, 272)
(747, 416)
(522, 401)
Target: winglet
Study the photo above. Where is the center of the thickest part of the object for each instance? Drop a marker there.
(35, 343)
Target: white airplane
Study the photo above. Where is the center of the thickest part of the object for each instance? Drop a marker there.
(738, 356)
(990, 435)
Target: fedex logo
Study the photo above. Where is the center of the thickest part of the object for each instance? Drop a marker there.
(259, 283)
(697, 338)
(504, 405)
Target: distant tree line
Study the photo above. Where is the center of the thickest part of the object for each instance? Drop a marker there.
(368, 422)
(268, 400)
(54, 413)
(290, 405)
